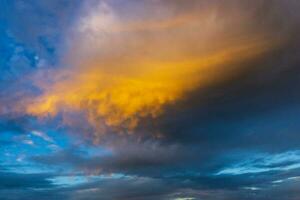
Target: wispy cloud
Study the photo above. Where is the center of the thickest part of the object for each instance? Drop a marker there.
(42, 135)
(265, 163)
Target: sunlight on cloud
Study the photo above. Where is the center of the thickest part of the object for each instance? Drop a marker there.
(123, 70)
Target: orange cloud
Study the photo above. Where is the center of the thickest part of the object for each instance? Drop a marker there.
(121, 74)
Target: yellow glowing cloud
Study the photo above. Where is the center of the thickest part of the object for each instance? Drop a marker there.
(121, 75)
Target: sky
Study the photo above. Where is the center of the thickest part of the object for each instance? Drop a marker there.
(149, 99)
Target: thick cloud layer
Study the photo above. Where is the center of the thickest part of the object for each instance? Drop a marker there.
(123, 71)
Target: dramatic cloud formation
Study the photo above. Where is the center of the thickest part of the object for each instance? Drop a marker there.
(124, 69)
(149, 99)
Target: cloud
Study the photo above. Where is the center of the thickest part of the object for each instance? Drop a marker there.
(181, 100)
(122, 72)
(15, 180)
(42, 135)
(264, 163)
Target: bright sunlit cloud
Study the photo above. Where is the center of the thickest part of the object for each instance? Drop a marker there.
(122, 71)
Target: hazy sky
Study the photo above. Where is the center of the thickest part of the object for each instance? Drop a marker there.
(149, 99)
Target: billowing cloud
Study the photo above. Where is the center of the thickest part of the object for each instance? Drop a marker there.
(124, 69)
